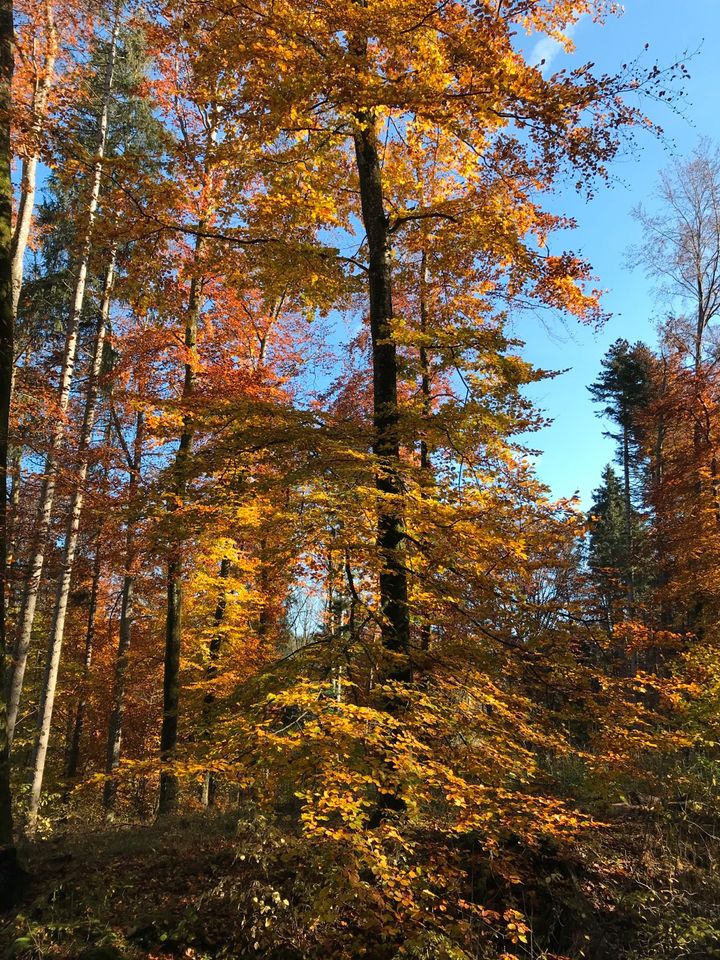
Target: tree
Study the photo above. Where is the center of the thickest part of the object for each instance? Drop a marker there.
(127, 614)
(624, 386)
(681, 247)
(57, 630)
(7, 849)
(683, 492)
(317, 405)
(368, 108)
(607, 547)
(43, 56)
(47, 496)
(352, 100)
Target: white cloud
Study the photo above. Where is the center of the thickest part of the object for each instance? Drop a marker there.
(548, 49)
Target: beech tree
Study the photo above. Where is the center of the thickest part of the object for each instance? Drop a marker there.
(470, 52)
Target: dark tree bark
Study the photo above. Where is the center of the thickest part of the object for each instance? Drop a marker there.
(73, 757)
(173, 622)
(10, 872)
(127, 612)
(209, 788)
(629, 514)
(426, 401)
(391, 533)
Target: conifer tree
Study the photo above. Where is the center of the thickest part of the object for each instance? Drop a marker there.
(607, 547)
(624, 388)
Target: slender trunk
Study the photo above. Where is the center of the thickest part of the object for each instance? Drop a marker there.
(173, 623)
(115, 726)
(334, 599)
(57, 631)
(658, 474)
(266, 617)
(28, 176)
(73, 758)
(700, 324)
(47, 492)
(698, 604)
(395, 628)
(425, 375)
(16, 480)
(426, 405)
(209, 783)
(8, 862)
(629, 544)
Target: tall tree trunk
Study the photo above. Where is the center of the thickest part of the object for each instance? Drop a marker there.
(698, 604)
(209, 783)
(173, 622)
(117, 713)
(8, 860)
(425, 374)
(28, 176)
(47, 492)
(390, 534)
(73, 758)
(15, 484)
(73, 753)
(426, 403)
(629, 538)
(57, 631)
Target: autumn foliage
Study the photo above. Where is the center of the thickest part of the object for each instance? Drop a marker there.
(276, 547)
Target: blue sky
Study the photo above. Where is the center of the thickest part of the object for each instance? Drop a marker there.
(574, 450)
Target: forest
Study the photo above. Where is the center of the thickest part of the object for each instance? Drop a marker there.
(300, 658)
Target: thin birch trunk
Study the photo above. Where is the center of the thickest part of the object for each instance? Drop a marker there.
(57, 632)
(117, 714)
(28, 176)
(8, 856)
(47, 492)
(15, 484)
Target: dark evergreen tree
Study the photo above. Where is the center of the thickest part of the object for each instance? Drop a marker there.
(607, 556)
(623, 388)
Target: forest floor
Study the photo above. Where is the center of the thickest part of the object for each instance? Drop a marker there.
(125, 892)
(182, 888)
